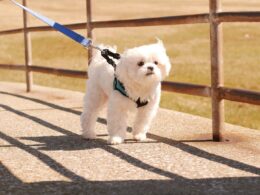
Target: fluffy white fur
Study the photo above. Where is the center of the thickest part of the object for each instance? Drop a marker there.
(140, 80)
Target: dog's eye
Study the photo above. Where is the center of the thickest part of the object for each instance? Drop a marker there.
(141, 63)
(155, 62)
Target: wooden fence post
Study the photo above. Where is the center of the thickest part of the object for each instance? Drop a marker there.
(27, 51)
(217, 80)
(89, 27)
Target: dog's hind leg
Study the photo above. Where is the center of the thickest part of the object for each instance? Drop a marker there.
(93, 103)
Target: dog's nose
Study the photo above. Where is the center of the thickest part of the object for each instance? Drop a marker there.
(150, 68)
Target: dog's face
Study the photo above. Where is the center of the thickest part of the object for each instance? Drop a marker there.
(145, 64)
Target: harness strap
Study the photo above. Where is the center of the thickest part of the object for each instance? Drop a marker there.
(106, 53)
(141, 104)
(118, 86)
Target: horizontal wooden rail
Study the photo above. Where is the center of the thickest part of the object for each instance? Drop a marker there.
(187, 88)
(169, 20)
(12, 31)
(59, 71)
(157, 21)
(238, 17)
(48, 70)
(240, 95)
(12, 67)
(76, 26)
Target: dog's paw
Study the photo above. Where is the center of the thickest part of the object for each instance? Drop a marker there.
(89, 135)
(115, 140)
(140, 136)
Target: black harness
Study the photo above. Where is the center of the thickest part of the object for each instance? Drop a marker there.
(105, 53)
(118, 85)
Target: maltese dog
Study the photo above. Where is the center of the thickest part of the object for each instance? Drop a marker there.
(134, 86)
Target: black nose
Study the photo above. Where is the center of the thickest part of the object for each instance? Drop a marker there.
(150, 68)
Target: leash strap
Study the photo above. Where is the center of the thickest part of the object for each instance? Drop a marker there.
(73, 35)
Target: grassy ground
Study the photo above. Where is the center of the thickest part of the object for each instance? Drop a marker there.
(187, 45)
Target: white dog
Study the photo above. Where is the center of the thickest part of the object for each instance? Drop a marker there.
(135, 86)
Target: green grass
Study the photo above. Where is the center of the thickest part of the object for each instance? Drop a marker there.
(187, 45)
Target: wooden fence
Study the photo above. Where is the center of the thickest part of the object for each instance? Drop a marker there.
(216, 91)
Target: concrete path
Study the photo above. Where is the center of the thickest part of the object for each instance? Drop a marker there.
(41, 151)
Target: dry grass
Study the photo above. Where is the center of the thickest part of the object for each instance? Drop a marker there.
(188, 47)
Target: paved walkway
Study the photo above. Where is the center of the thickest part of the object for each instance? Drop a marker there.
(41, 152)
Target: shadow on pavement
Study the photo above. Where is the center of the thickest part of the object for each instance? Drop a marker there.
(175, 184)
(99, 143)
(9, 184)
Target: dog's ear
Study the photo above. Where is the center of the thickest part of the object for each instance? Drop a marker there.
(165, 59)
(160, 44)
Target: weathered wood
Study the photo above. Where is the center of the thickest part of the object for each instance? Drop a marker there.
(240, 95)
(12, 67)
(187, 88)
(89, 27)
(59, 71)
(216, 71)
(27, 51)
(47, 70)
(76, 26)
(238, 17)
(12, 31)
(169, 20)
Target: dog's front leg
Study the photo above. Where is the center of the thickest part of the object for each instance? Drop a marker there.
(143, 119)
(117, 118)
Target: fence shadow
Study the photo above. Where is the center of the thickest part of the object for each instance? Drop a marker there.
(178, 184)
(10, 184)
(73, 142)
(180, 145)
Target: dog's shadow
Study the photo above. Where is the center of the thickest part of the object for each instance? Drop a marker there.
(65, 142)
(75, 142)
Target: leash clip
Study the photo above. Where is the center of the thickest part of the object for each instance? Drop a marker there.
(107, 54)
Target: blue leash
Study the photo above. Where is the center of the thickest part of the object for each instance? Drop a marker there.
(87, 43)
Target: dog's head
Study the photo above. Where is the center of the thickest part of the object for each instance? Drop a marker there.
(145, 64)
